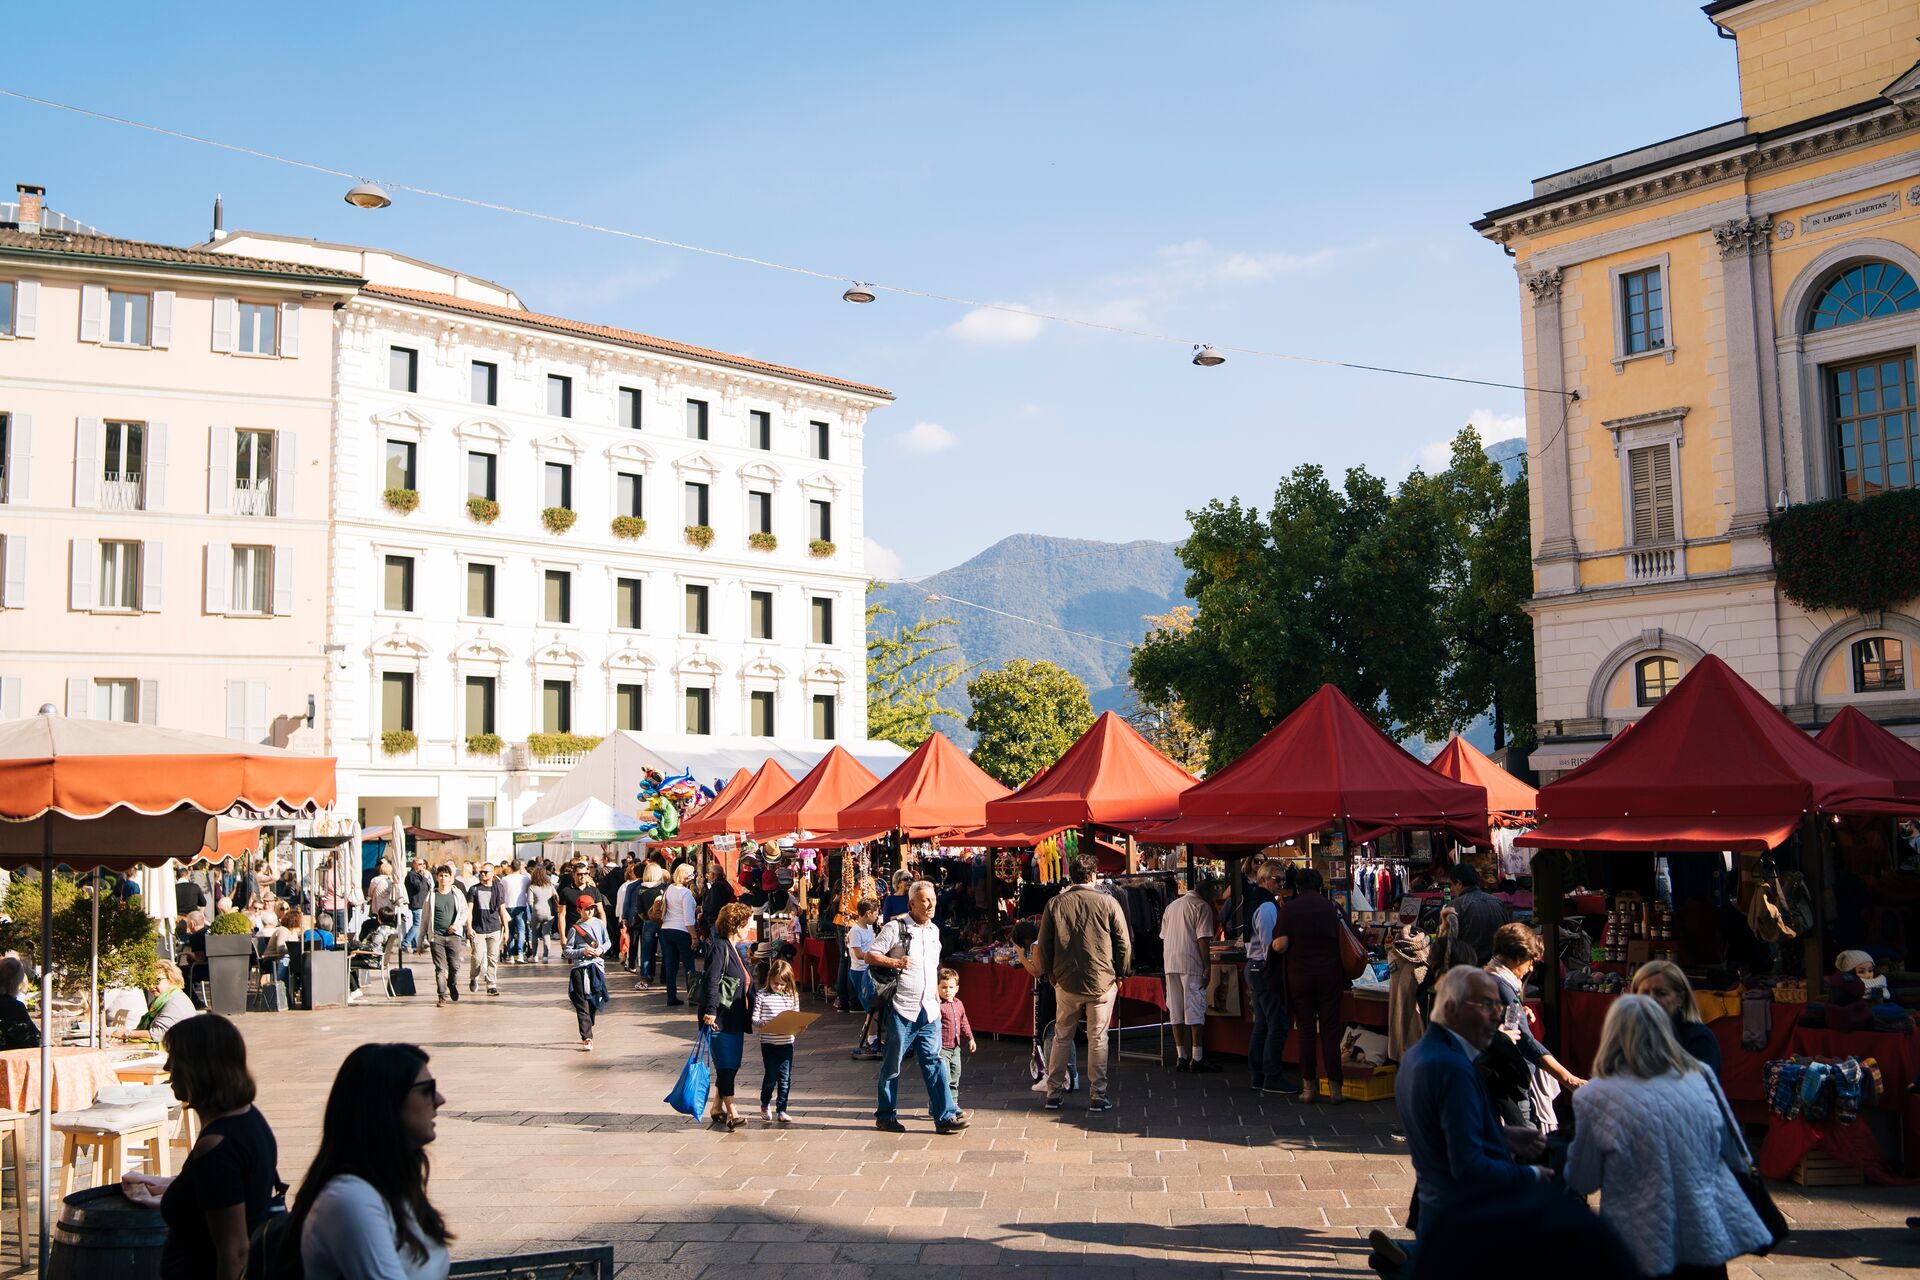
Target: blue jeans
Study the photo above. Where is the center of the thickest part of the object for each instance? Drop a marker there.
(777, 1059)
(676, 950)
(921, 1037)
(1268, 1042)
(649, 941)
(412, 941)
(519, 938)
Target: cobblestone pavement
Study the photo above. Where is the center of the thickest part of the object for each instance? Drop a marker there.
(541, 1144)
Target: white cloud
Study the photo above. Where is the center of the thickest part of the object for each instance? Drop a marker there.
(1491, 426)
(1200, 262)
(882, 562)
(926, 437)
(995, 326)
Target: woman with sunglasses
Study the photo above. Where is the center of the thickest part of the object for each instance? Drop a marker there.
(362, 1212)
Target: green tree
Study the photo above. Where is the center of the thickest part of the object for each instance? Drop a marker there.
(1027, 714)
(1486, 579)
(1165, 724)
(1332, 586)
(127, 938)
(907, 672)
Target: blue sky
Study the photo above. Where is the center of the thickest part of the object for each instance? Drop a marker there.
(1287, 176)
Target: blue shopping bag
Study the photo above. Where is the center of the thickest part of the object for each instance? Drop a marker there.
(689, 1095)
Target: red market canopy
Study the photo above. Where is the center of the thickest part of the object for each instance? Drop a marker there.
(1326, 764)
(1712, 766)
(235, 842)
(736, 810)
(1109, 777)
(934, 792)
(1464, 762)
(814, 802)
(1857, 739)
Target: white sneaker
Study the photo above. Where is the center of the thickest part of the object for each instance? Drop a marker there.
(766, 1113)
(783, 1117)
(1038, 1086)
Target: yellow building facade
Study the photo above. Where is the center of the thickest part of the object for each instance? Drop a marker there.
(1716, 326)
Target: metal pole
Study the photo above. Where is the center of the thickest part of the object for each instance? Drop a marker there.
(46, 1031)
(93, 969)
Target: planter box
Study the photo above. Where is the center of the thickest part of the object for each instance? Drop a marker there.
(321, 979)
(229, 972)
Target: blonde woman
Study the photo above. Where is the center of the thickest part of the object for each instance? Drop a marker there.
(1668, 986)
(1653, 1135)
(676, 931)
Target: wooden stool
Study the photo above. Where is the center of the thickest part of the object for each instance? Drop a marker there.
(106, 1137)
(17, 1125)
(153, 1071)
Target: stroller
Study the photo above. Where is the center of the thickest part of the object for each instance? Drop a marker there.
(1043, 1051)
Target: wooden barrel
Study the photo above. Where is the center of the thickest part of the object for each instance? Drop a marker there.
(102, 1235)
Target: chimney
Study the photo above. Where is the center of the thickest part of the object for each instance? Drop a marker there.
(31, 200)
(219, 225)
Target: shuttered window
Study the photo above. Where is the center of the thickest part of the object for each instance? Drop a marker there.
(1650, 473)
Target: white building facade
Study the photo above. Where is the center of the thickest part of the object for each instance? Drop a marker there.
(543, 531)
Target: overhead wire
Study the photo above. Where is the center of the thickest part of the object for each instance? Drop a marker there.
(750, 259)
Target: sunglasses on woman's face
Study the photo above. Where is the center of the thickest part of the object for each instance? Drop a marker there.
(428, 1086)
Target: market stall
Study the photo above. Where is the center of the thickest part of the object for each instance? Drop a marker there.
(1104, 787)
(1712, 827)
(1320, 786)
(734, 812)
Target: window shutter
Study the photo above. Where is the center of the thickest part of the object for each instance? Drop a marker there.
(86, 462)
(282, 581)
(93, 310)
(9, 697)
(13, 580)
(256, 726)
(162, 334)
(79, 689)
(84, 556)
(26, 309)
(19, 458)
(149, 702)
(290, 330)
(237, 709)
(285, 444)
(155, 497)
(1663, 521)
(219, 566)
(226, 318)
(220, 462)
(153, 556)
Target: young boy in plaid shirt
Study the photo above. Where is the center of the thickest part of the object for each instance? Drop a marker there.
(954, 1029)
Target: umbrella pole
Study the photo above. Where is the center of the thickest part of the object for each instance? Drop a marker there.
(46, 1031)
(93, 970)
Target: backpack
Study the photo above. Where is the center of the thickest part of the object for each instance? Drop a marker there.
(883, 988)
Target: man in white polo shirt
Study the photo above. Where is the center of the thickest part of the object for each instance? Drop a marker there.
(908, 950)
(1185, 930)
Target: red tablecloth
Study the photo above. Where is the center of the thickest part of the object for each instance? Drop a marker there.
(819, 963)
(1233, 1035)
(999, 997)
(1897, 1054)
(1584, 1013)
(78, 1074)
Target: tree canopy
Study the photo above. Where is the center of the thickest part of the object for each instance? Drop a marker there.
(1408, 601)
(907, 671)
(1026, 715)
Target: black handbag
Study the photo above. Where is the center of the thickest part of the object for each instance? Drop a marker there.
(1752, 1185)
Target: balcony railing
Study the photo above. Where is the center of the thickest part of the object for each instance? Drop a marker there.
(1656, 564)
(119, 493)
(252, 499)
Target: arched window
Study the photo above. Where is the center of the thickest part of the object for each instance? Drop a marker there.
(1879, 665)
(1654, 678)
(1863, 291)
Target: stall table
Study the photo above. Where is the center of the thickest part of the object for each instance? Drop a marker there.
(78, 1075)
(999, 997)
(819, 965)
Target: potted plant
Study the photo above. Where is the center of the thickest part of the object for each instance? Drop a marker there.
(399, 742)
(628, 526)
(762, 541)
(229, 962)
(402, 500)
(558, 519)
(820, 548)
(483, 510)
(700, 535)
(485, 744)
(545, 746)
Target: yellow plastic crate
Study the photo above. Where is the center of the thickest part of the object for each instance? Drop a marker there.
(1368, 1088)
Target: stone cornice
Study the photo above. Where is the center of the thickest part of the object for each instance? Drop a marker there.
(1759, 154)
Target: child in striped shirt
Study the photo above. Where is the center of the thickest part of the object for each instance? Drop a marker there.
(777, 995)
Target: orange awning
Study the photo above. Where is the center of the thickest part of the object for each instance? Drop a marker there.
(1464, 762)
(734, 813)
(240, 842)
(935, 791)
(814, 802)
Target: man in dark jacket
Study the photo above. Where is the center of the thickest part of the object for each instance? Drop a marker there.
(1460, 1151)
(1480, 913)
(418, 884)
(1084, 951)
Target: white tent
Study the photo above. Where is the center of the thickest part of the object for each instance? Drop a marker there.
(612, 771)
(592, 821)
